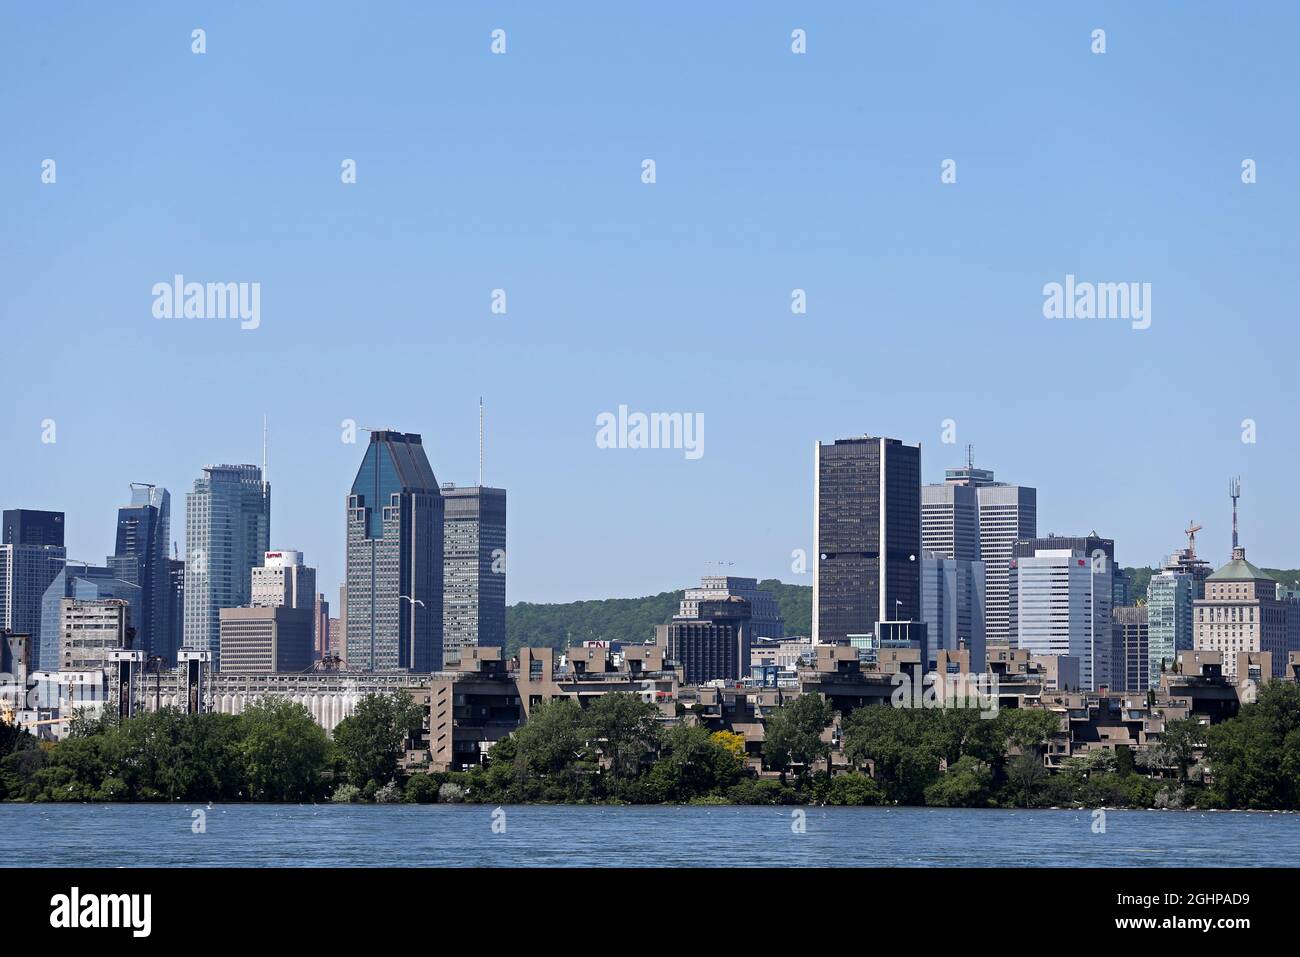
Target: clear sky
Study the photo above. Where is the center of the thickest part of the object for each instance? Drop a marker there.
(775, 171)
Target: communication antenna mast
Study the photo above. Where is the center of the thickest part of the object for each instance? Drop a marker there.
(970, 456)
(1234, 492)
(264, 478)
(480, 441)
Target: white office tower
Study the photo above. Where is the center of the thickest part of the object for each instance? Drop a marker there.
(283, 581)
(1061, 605)
(1008, 513)
(950, 521)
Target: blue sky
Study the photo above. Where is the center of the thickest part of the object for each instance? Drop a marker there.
(775, 171)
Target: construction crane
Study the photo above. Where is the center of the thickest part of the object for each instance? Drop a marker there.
(1192, 529)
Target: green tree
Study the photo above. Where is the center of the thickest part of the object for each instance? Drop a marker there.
(1179, 743)
(1255, 757)
(968, 783)
(1026, 773)
(552, 738)
(793, 734)
(905, 746)
(371, 741)
(283, 750)
(854, 790)
(693, 765)
(624, 726)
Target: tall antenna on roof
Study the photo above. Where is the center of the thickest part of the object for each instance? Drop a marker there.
(480, 441)
(1234, 492)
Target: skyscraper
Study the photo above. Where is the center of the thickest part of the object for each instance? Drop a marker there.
(80, 582)
(1169, 620)
(1130, 659)
(320, 628)
(474, 569)
(28, 526)
(866, 536)
(950, 525)
(26, 571)
(227, 531)
(1060, 605)
(1169, 604)
(952, 606)
(141, 556)
(395, 559)
(1008, 513)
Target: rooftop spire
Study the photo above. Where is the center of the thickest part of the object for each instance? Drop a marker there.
(1234, 492)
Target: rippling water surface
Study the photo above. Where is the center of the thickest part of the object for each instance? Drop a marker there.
(249, 835)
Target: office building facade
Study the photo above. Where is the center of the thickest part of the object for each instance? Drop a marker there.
(1130, 650)
(765, 614)
(141, 555)
(394, 602)
(1242, 612)
(1169, 620)
(26, 572)
(715, 645)
(80, 583)
(267, 638)
(1008, 514)
(227, 533)
(320, 629)
(950, 521)
(866, 536)
(1061, 605)
(474, 569)
(90, 630)
(29, 526)
(283, 580)
(952, 606)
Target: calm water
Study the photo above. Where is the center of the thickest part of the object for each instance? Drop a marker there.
(245, 835)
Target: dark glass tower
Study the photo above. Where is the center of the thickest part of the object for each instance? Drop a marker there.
(867, 536)
(140, 556)
(395, 559)
(27, 526)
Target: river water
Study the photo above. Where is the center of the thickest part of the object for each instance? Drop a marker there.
(251, 835)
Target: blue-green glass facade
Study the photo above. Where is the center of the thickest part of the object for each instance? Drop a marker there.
(394, 559)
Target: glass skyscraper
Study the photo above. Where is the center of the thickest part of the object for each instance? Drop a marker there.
(141, 555)
(28, 526)
(227, 531)
(394, 605)
(82, 583)
(1169, 620)
(26, 571)
(867, 536)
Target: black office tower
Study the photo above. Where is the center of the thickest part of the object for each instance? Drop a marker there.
(866, 536)
(27, 526)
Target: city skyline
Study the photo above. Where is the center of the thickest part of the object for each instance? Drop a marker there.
(529, 181)
(1205, 518)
